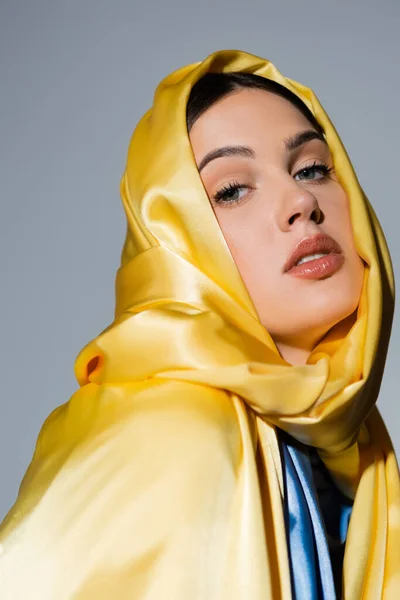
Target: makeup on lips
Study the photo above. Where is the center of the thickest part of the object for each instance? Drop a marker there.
(315, 257)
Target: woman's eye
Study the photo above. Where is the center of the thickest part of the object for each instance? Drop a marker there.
(313, 173)
(230, 193)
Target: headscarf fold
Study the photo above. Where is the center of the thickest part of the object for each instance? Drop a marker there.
(161, 477)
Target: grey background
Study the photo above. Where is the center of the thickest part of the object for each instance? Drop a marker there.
(75, 78)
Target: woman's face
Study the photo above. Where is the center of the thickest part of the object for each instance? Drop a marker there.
(271, 189)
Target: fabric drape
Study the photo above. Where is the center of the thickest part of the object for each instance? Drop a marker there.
(316, 519)
(161, 477)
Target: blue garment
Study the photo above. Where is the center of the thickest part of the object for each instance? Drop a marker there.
(316, 517)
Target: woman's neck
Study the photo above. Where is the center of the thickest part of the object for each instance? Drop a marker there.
(294, 355)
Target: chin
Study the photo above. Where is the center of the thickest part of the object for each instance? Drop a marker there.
(311, 315)
(327, 310)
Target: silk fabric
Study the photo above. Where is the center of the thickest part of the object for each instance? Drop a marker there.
(161, 477)
(316, 534)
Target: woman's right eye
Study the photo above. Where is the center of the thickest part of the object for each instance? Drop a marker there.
(230, 193)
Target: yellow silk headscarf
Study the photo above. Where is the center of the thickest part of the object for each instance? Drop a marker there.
(161, 478)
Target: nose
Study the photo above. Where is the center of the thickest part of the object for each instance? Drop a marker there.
(298, 205)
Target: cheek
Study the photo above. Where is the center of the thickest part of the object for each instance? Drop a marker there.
(259, 265)
(337, 221)
(249, 258)
(334, 204)
(249, 240)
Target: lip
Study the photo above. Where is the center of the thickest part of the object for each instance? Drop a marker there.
(319, 268)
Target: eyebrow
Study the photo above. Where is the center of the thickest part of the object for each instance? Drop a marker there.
(303, 137)
(292, 143)
(226, 151)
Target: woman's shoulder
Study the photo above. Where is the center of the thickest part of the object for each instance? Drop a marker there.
(143, 466)
(143, 427)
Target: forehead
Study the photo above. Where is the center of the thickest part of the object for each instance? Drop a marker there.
(247, 116)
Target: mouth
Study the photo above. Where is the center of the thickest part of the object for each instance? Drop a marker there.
(315, 257)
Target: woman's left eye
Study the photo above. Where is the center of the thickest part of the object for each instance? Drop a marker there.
(315, 172)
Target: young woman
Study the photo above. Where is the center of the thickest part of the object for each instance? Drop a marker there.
(224, 442)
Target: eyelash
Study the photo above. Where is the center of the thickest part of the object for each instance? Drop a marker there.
(315, 167)
(222, 195)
